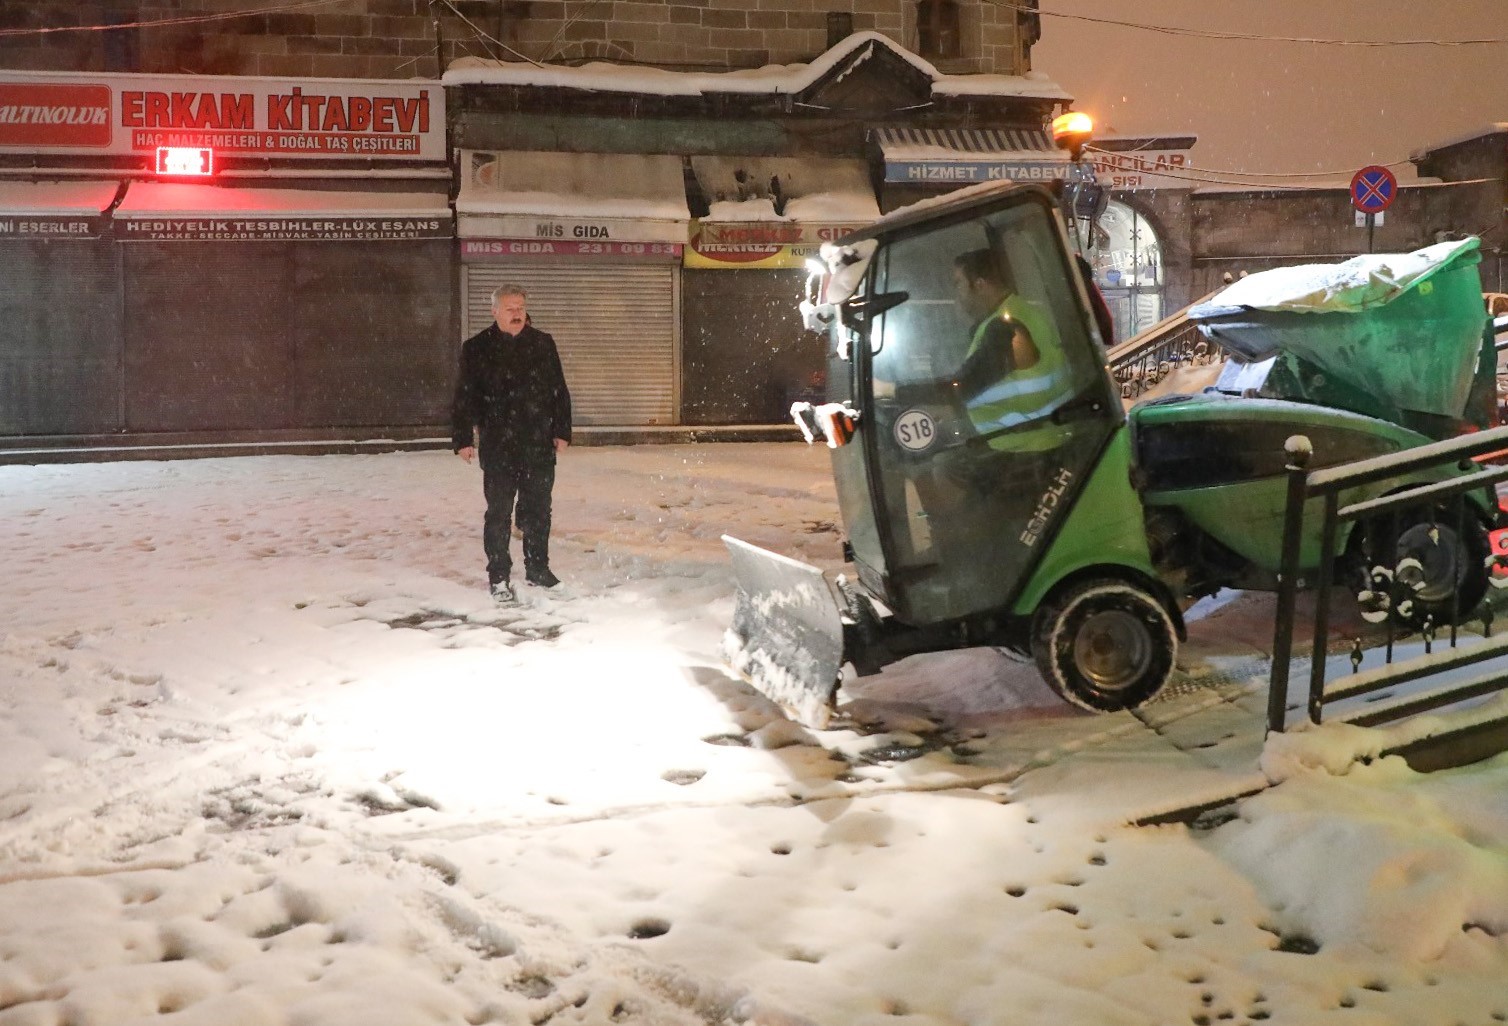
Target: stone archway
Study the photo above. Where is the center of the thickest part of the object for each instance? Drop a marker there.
(1126, 254)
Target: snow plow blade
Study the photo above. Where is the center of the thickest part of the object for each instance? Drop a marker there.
(787, 638)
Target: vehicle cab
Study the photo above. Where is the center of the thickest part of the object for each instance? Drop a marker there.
(963, 344)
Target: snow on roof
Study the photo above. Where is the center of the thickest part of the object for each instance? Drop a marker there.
(820, 190)
(38, 198)
(572, 184)
(1131, 142)
(1495, 128)
(1033, 84)
(775, 79)
(920, 144)
(182, 199)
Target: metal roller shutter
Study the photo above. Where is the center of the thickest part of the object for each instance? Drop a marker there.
(206, 336)
(614, 324)
(60, 346)
(272, 336)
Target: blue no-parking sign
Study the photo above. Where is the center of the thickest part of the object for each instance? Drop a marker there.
(1373, 189)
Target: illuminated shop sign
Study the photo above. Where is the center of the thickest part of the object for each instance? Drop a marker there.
(137, 114)
(280, 229)
(963, 172)
(1136, 169)
(758, 245)
(31, 227)
(1143, 169)
(185, 161)
(503, 249)
(558, 230)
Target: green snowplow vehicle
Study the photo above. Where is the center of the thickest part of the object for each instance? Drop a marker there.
(994, 490)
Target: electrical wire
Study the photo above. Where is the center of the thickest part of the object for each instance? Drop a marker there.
(415, 60)
(1218, 178)
(1218, 34)
(549, 50)
(482, 36)
(192, 19)
(488, 40)
(1202, 177)
(1246, 174)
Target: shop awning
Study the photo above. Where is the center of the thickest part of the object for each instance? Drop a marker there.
(773, 212)
(959, 155)
(171, 211)
(55, 210)
(572, 197)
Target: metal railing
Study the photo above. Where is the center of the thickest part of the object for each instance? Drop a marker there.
(1389, 590)
(1145, 359)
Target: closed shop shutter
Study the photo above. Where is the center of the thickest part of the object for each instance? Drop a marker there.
(374, 333)
(267, 335)
(774, 362)
(59, 338)
(615, 326)
(207, 343)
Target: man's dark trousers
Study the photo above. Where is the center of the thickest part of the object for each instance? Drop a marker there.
(530, 483)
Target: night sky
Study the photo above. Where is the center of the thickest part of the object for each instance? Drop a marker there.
(1266, 106)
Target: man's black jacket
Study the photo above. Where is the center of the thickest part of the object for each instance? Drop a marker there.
(512, 388)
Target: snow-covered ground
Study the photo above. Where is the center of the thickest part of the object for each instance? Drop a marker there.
(269, 756)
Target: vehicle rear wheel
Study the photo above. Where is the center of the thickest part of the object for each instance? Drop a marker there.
(1105, 644)
(1439, 569)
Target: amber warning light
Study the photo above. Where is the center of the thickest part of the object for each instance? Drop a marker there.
(1072, 132)
(193, 161)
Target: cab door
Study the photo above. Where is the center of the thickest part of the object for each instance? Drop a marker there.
(976, 454)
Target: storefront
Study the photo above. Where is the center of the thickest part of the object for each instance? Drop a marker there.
(746, 354)
(923, 162)
(242, 255)
(60, 365)
(596, 240)
(256, 308)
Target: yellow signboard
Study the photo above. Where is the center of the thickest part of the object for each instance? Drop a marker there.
(749, 257)
(757, 245)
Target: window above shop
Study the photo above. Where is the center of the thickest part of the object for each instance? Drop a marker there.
(939, 36)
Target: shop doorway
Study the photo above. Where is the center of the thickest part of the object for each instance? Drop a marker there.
(1127, 258)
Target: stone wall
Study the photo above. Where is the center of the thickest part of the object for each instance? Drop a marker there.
(1235, 231)
(398, 38)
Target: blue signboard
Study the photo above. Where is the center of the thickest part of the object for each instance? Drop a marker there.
(967, 171)
(1373, 189)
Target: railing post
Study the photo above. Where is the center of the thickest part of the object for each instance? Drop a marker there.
(1299, 450)
(1323, 580)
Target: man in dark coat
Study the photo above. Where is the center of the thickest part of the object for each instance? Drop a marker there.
(511, 400)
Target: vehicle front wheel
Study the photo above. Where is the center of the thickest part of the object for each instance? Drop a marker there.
(1104, 644)
(1439, 570)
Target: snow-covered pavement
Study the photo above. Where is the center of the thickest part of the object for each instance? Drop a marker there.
(270, 756)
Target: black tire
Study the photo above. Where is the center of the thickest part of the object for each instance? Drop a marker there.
(1438, 569)
(1104, 644)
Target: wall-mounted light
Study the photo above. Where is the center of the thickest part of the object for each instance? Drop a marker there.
(185, 161)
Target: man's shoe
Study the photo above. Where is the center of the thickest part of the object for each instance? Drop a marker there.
(502, 593)
(542, 578)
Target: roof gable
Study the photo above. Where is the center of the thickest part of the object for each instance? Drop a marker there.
(874, 77)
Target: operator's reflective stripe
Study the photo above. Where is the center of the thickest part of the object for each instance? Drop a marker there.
(1025, 395)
